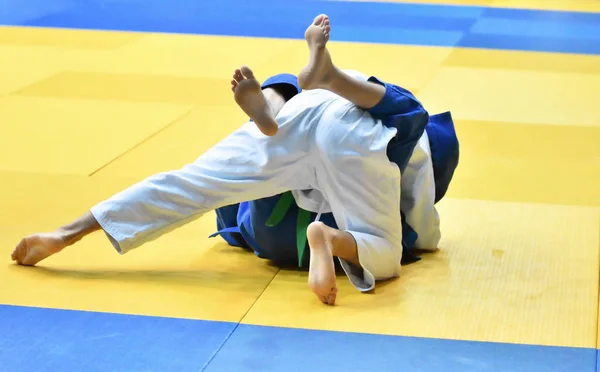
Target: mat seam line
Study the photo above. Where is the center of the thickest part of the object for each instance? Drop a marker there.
(598, 296)
(214, 355)
(173, 122)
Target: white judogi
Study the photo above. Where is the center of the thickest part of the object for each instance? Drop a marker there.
(418, 193)
(324, 143)
(418, 197)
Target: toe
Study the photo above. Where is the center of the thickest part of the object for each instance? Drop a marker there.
(247, 72)
(18, 253)
(319, 19)
(20, 257)
(237, 76)
(330, 300)
(14, 254)
(332, 296)
(26, 261)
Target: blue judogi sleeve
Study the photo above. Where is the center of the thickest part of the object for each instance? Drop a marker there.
(400, 109)
(444, 145)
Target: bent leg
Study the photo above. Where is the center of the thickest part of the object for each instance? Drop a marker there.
(362, 187)
(366, 204)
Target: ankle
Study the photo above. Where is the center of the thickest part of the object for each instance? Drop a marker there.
(275, 100)
(343, 245)
(336, 239)
(68, 236)
(336, 80)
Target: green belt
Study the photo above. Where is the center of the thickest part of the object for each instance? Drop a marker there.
(281, 208)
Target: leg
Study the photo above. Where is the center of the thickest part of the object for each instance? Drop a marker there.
(364, 194)
(241, 167)
(37, 247)
(274, 99)
(262, 109)
(321, 73)
(326, 243)
(363, 189)
(238, 168)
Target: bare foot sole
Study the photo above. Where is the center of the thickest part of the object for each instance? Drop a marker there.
(321, 277)
(36, 248)
(320, 67)
(249, 96)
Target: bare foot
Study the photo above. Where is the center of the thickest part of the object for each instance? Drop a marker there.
(35, 248)
(321, 277)
(249, 96)
(320, 67)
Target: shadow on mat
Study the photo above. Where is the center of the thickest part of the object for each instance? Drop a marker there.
(226, 276)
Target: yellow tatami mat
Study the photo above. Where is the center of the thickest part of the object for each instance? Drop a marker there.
(85, 114)
(562, 5)
(506, 272)
(50, 135)
(170, 277)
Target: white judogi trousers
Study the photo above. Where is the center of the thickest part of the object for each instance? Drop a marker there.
(324, 143)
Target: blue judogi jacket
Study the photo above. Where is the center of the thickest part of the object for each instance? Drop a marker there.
(275, 227)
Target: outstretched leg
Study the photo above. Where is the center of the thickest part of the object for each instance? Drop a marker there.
(37, 247)
(238, 168)
(250, 98)
(321, 73)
